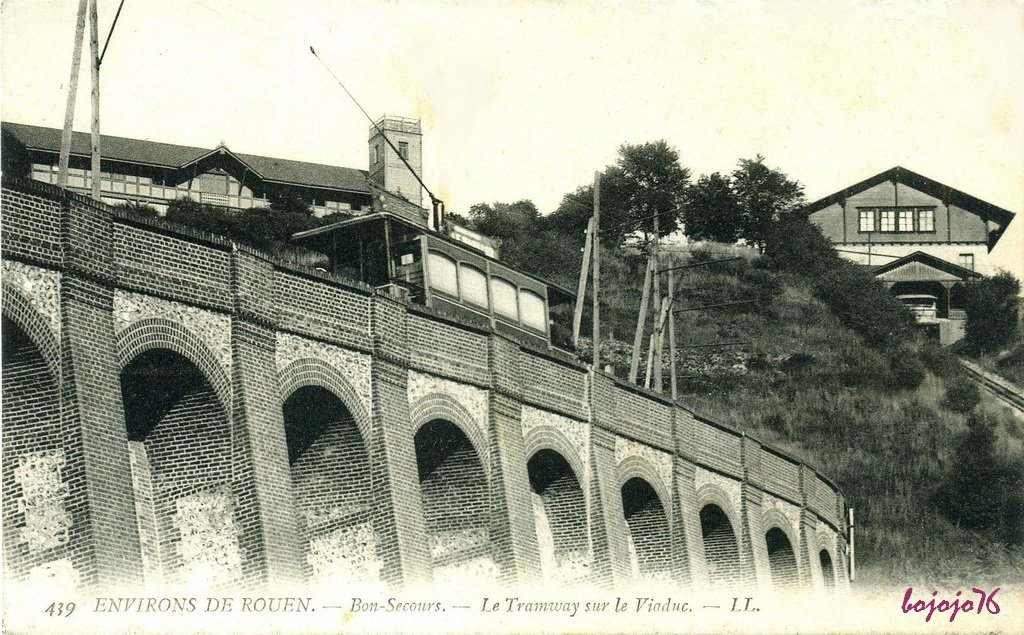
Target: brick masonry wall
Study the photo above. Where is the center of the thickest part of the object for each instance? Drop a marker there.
(35, 517)
(117, 287)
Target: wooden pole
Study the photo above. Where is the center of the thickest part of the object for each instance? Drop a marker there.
(656, 281)
(650, 361)
(596, 252)
(641, 319)
(581, 288)
(69, 110)
(94, 45)
(672, 337)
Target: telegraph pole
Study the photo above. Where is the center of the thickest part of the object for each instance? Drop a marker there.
(94, 47)
(596, 247)
(69, 111)
(656, 281)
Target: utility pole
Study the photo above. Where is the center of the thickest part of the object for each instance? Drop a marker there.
(94, 47)
(672, 336)
(596, 248)
(656, 280)
(69, 111)
(581, 288)
(634, 362)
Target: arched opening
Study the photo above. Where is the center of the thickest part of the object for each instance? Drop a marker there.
(331, 480)
(649, 540)
(721, 551)
(179, 440)
(36, 521)
(828, 573)
(781, 559)
(456, 506)
(560, 514)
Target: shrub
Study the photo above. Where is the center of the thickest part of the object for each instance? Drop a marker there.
(940, 360)
(907, 371)
(962, 395)
(991, 306)
(798, 246)
(865, 306)
(982, 490)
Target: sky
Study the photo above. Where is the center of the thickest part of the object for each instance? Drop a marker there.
(525, 100)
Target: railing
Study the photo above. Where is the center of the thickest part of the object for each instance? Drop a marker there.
(401, 124)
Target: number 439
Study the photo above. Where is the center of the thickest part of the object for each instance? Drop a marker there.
(60, 609)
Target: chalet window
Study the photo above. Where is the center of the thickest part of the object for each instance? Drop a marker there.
(926, 220)
(443, 274)
(403, 149)
(966, 261)
(534, 315)
(905, 220)
(473, 285)
(867, 220)
(887, 220)
(503, 294)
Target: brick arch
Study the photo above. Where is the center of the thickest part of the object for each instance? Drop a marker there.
(309, 371)
(647, 518)
(722, 557)
(710, 494)
(151, 333)
(639, 467)
(825, 542)
(549, 438)
(438, 405)
(784, 568)
(829, 579)
(774, 519)
(19, 310)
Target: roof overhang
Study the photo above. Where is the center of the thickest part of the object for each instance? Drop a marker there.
(922, 267)
(943, 192)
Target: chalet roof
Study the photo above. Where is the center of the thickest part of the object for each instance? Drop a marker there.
(922, 266)
(924, 184)
(167, 155)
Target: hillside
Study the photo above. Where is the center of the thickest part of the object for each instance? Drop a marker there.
(867, 405)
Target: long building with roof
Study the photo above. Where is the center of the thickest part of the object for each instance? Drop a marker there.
(154, 173)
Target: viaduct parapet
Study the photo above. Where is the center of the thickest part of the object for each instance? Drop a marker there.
(179, 409)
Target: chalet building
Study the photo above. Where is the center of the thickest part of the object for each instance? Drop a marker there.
(921, 238)
(151, 173)
(385, 238)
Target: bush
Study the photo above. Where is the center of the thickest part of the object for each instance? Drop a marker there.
(798, 246)
(865, 306)
(982, 490)
(991, 306)
(940, 360)
(907, 371)
(962, 395)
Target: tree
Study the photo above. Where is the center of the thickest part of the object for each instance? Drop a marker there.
(712, 211)
(764, 195)
(646, 181)
(991, 305)
(504, 221)
(796, 245)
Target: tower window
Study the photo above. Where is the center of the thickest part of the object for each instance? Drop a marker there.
(376, 154)
(403, 149)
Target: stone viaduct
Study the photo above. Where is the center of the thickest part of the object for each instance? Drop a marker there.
(179, 409)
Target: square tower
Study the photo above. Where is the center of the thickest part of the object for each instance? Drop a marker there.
(386, 167)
